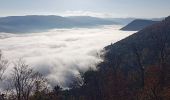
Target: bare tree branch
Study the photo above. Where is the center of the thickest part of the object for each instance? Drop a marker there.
(24, 80)
(3, 65)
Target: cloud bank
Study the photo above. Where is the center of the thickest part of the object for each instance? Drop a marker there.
(87, 13)
(61, 53)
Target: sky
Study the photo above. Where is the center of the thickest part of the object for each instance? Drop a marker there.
(100, 8)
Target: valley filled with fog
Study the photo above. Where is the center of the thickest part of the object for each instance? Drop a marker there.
(60, 54)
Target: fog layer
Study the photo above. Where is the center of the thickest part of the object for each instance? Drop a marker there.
(60, 54)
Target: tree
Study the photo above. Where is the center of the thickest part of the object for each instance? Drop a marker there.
(3, 65)
(40, 92)
(57, 89)
(24, 80)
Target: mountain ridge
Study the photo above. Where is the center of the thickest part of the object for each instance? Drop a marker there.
(138, 24)
(33, 23)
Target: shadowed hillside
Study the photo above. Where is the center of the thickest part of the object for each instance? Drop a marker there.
(135, 68)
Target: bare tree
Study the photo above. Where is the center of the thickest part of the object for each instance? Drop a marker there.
(3, 65)
(24, 80)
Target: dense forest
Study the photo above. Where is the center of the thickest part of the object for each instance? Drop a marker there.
(135, 68)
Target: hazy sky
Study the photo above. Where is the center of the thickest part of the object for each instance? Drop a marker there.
(102, 8)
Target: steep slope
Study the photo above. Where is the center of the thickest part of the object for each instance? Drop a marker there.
(147, 41)
(138, 24)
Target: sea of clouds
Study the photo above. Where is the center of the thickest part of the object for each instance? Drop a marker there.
(61, 53)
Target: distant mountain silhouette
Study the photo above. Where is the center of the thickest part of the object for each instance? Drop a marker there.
(38, 23)
(87, 20)
(157, 19)
(122, 21)
(14, 24)
(34, 23)
(138, 24)
(125, 21)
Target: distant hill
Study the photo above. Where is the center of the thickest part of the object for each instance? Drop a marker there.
(87, 20)
(157, 19)
(138, 24)
(38, 23)
(125, 21)
(122, 21)
(34, 23)
(19, 24)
